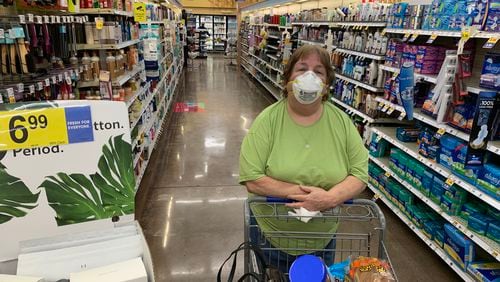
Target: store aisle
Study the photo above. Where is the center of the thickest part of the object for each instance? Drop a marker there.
(193, 216)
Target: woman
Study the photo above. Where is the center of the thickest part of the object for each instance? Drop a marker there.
(304, 149)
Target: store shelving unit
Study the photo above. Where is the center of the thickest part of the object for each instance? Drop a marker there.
(97, 11)
(366, 118)
(359, 83)
(360, 54)
(487, 244)
(117, 46)
(389, 134)
(493, 146)
(432, 245)
(309, 42)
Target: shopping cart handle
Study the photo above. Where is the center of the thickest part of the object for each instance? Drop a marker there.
(270, 199)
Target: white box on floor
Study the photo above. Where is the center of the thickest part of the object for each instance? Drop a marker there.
(128, 271)
(15, 278)
(54, 258)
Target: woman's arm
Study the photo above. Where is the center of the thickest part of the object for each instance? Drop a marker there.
(318, 199)
(268, 186)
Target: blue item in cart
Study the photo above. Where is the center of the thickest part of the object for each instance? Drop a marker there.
(308, 268)
(338, 270)
(458, 247)
(479, 223)
(485, 271)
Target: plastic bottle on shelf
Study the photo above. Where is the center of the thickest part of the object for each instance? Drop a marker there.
(119, 64)
(87, 67)
(111, 65)
(94, 61)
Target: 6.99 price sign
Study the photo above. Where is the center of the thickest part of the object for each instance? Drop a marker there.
(33, 128)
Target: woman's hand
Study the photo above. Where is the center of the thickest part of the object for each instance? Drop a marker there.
(315, 199)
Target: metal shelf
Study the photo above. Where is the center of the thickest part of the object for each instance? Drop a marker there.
(96, 11)
(267, 76)
(426, 77)
(272, 47)
(313, 23)
(493, 146)
(365, 117)
(485, 243)
(119, 81)
(138, 93)
(266, 85)
(117, 46)
(361, 54)
(389, 134)
(359, 83)
(268, 65)
(438, 250)
(310, 42)
(444, 33)
(273, 36)
(272, 25)
(273, 57)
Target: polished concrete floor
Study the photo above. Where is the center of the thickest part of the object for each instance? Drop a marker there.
(193, 211)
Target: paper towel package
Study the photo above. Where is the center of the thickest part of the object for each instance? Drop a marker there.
(128, 271)
(14, 278)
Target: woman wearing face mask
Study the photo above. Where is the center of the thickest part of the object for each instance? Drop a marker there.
(305, 149)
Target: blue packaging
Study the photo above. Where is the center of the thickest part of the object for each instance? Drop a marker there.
(459, 155)
(492, 22)
(493, 231)
(407, 134)
(448, 145)
(458, 247)
(485, 271)
(489, 180)
(490, 74)
(470, 208)
(439, 236)
(437, 190)
(427, 182)
(449, 206)
(479, 223)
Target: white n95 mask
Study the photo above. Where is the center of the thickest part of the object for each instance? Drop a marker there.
(307, 88)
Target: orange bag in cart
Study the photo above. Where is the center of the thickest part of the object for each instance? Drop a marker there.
(366, 269)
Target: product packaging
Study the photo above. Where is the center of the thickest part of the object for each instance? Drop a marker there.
(490, 75)
(486, 108)
(406, 85)
(407, 134)
(308, 268)
(458, 246)
(489, 180)
(478, 223)
(485, 271)
(470, 208)
(439, 237)
(493, 231)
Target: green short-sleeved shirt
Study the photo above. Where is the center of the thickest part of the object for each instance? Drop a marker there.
(320, 155)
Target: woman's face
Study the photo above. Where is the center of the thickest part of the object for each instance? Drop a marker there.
(309, 63)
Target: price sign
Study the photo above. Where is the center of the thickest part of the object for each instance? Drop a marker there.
(45, 127)
(402, 116)
(140, 12)
(379, 137)
(30, 128)
(390, 111)
(388, 174)
(490, 43)
(383, 32)
(99, 23)
(39, 85)
(385, 108)
(407, 35)
(432, 38)
(47, 82)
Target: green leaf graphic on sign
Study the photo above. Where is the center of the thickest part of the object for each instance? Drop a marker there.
(104, 194)
(15, 197)
(116, 177)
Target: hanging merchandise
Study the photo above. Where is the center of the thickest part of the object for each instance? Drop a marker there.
(406, 88)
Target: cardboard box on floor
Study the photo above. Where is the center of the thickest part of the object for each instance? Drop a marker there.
(52, 236)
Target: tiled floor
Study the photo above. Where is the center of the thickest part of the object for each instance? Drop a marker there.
(193, 217)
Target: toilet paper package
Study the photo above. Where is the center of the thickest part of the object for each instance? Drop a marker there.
(486, 108)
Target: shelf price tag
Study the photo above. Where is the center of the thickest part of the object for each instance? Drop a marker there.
(402, 116)
(391, 110)
(387, 174)
(413, 37)
(10, 95)
(449, 182)
(440, 133)
(490, 43)
(99, 23)
(45, 127)
(432, 38)
(385, 108)
(406, 36)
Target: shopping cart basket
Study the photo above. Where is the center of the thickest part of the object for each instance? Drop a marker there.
(360, 232)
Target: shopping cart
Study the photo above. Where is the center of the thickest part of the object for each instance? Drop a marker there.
(360, 232)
